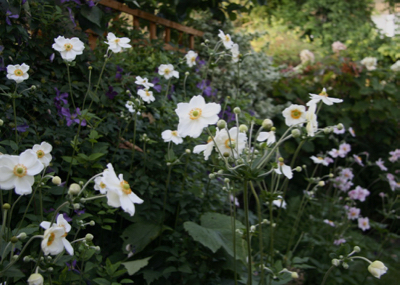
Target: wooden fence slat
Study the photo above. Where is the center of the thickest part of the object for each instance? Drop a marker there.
(153, 31)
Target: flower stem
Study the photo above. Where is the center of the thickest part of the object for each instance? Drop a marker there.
(134, 141)
(327, 274)
(70, 87)
(15, 122)
(166, 192)
(246, 214)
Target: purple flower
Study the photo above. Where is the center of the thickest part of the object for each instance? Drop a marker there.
(79, 212)
(90, 3)
(52, 56)
(111, 93)
(227, 114)
(9, 16)
(118, 76)
(71, 16)
(72, 266)
(22, 128)
(205, 86)
(72, 118)
(156, 86)
(60, 98)
(66, 217)
(48, 211)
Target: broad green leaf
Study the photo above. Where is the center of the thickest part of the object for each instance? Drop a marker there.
(140, 235)
(101, 281)
(134, 266)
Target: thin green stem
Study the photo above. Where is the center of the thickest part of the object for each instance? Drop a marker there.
(166, 193)
(134, 141)
(98, 81)
(327, 274)
(70, 87)
(15, 122)
(246, 214)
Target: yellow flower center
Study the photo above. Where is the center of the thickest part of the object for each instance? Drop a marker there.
(20, 170)
(364, 223)
(174, 133)
(295, 114)
(193, 59)
(125, 187)
(227, 38)
(40, 153)
(18, 72)
(167, 71)
(229, 143)
(68, 47)
(102, 185)
(320, 158)
(353, 213)
(51, 239)
(323, 93)
(148, 93)
(195, 113)
(117, 41)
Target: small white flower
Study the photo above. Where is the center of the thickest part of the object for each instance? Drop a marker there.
(358, 160)
(171, 136)
(119, 193)
(307, 56)
(352, 132)
(279, 202)
(99, 185)
(18, 171)
(191, 57)
(311, 118)
(377, 269)
(285, 169)
(363, 223)
(35, 279)
(17, 72)
(319, 160)
(232, 142)
(396, 66)
(338, 46)
(54, 240)
(353, 213)
(381, 165)
(269, 136)
(315, 98)
(235, 53)
(129, 106)
(146, 95)
(68, 48)
(226, 39)
(195, 116)
(167, 70)
(144, 82)
(369, 63)
(206, 148)
(294, 115)
(329, 222)
(117, 44)
(43, 152)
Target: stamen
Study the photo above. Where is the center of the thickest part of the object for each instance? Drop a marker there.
(20, 170)
(51, 239)
(40, 153)
(295, 114)
(18, 72)
(68, 47)
(195, 113)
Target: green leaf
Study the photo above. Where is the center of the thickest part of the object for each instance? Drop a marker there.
(95, 156)
(206, 237)
(93, 14)
(101, 281)
(69, 160)
(140, 235)
(136, 265)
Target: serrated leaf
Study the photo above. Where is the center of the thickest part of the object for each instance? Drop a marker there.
(134, 266)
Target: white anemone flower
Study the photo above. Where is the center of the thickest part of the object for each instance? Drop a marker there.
(232, 142)
(279, 202)
(129, 106)
(35, 279)
(99, 185)
(146, 95)
(284, 169)
(54, 240)
(315, 98)
(144, 82)
(312, 123)
(119, 193)
(17, 72)
(319, 160)
(377, 269)
(226, 39)
(43, 152)
(68, 48)
(117, 45)
(269, 136)
(294, 115)
(206, 148)
(195, 116)
(18, 171)
(167, 70)
(191, 57)
(369, 62)
(235, 53)
(171, 136)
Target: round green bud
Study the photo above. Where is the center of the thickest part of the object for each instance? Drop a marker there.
(298, 168)
(321, 183)
(74, 189)
(56, 180)
(211, 176)
(97, 248)
(81, 183)
(243, 128)
(27, 258)
(50, 269)
(226, 154)
(33, 87)
(295, 275)
(22, 236)
(237, 110)
(340, 126)
(89, 237)
(345, 265)
(280, 159)
(267, 124)
(76, 206)
(92, 223)
(296, 133)
(327, 130)
(1, 122)
(14, 239)
(227, 180)
(90, 67)
(220, 171)
(6, 206)
(188, 151)
(187, 73)
(357, 249)
(335, 262)
(221, 124)
(331, 175)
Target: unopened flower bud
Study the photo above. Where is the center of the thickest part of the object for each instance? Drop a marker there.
(273, 225)
(14, 239)
(211, 176)
(77, 206)
(298, 169)
(243, 128)
(81, 183)
(226, 154)
(335, 262)
(267, 124)
(237, 110)
(22, 236)
(273, 129)
(331, 175)
(295, 275)
(74, 189)
(89, 237)
(221, 124)
(1, 122)
(97, 248)
(27, 258)
(33, 87)
(14, 257)
(128, 92)
(296, 133)
(220, 171)
(188, 151)
(357, 249)
(321, 183)
(92, 223)
(340, 126)
(35, 279)
(56, 180)
(187, 73)
(90, 67)
(6, 206)
(227, 180)
(252, 229)
(327, 130)
(50, 269)
(280, 159)
(345, 265)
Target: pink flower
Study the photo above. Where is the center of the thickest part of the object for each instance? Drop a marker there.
(338, 46)
(337, 131)
(353, 213)
(395, 155)
(363, 223)
(339, 241)
(329, 222)
(344, 149)
(381, 165)
(359, 194)
(392, 181)
(382, 194)
(352, 132)
(334, 153)
(358, 160)
(347, 173)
